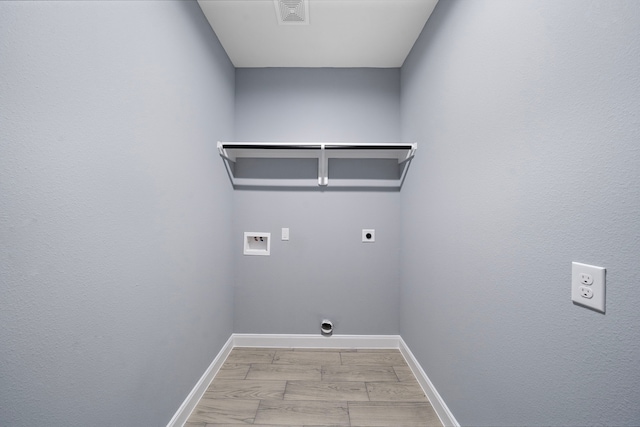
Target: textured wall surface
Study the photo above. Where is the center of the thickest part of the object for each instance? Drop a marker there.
(529, 123)
(325, 269)
(114, 264)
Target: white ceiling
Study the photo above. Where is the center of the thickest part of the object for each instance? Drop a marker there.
(340, 33)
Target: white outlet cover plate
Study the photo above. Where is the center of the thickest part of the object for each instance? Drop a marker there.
(368, 235)
(598, 274)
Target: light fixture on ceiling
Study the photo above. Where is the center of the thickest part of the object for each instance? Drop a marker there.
(290, 12)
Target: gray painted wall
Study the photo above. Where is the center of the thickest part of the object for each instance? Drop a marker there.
(325, 269)
(528, 118)
(114, 241)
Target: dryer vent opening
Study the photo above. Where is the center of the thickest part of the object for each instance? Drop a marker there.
(326, 327)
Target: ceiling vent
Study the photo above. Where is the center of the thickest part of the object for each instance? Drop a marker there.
(292, 12)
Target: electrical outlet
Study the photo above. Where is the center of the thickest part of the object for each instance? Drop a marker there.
(586, 279)
(368, 235)
(588, 286)
(586, 292)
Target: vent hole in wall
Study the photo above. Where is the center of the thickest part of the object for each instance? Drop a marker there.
(326, 327)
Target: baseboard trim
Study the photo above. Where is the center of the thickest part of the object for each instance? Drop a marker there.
(443, 412)
(316, 341)
(189, 404)
(313, 341)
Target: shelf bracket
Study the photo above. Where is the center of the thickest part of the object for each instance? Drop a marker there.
(227, 162)
(223, 152)
(323, 167)
(410, 154)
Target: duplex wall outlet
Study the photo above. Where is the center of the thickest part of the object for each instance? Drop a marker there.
(588, 286)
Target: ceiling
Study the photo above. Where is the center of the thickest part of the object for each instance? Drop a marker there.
(339, 33)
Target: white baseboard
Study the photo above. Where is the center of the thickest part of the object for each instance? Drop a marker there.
(445, 415)
(314, 341)
(189, 404)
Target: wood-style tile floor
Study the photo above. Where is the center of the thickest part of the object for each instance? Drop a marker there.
(310, 387)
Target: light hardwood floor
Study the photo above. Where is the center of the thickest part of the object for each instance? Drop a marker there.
(311, 387)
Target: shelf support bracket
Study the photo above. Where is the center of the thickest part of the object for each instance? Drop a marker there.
(223, 152)
(410, 154)
(323, 167)
(227, 162)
